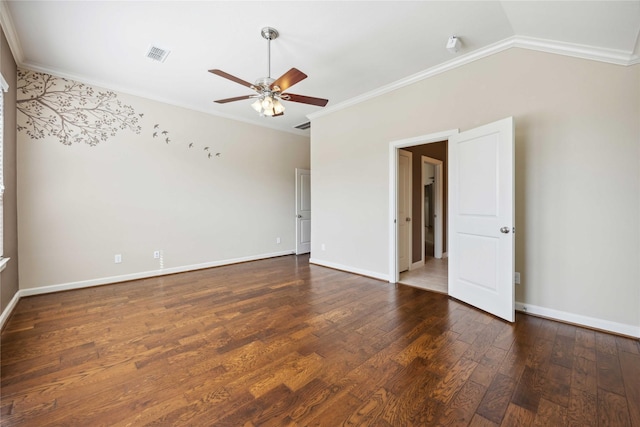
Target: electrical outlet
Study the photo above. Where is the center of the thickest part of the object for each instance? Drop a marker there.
(516, 278)
(277, 240)
(156, 254)
(323, 247)
(117, 258)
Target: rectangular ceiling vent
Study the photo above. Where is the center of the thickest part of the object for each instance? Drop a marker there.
(303, 126)
(157, 53)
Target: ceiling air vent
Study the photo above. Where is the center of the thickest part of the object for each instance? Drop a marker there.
(303, 126)
(157, 53)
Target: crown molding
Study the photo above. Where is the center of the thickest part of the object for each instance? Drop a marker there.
(6, 22)
(611, 56)
(10, 32)
(150, 96)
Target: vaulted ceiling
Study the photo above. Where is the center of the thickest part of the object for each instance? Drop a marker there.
(349, 49)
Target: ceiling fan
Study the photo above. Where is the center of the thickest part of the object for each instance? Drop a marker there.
(269, 91)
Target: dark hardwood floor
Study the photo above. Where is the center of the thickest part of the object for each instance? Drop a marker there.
(280, 342)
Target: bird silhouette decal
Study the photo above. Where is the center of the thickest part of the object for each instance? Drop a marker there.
(158, 132)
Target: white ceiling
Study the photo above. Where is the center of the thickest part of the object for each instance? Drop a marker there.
(347, 48)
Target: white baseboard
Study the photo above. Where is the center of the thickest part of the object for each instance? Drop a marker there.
(126, 277)
(144, 274)
(576, 319)
(9, 309)
(580, 320)
(349, 269)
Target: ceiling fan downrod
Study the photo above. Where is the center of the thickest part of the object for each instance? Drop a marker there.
(269, 34)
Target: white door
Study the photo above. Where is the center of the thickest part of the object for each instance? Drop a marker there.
(481, 203)
(303, 211)
(404, 210)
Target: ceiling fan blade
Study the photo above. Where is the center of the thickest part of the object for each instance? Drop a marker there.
(230, 77)
(279, 114)
(288, 79)
(305, 99)
(237, 98)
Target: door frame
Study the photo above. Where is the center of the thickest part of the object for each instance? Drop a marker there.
(394, 146)
(298, 247)
(438, 202)
(408, 212)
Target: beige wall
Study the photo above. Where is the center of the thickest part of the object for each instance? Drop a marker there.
(577, 174)
(135, 193)
(9, 277)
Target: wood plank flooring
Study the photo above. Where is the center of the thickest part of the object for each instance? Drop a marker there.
(281, 342)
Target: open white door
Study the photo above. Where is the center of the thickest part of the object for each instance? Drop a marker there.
(481, 203)
(303, 211)
(404, 210)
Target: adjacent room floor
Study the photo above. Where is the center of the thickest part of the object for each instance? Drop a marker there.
(432, 276)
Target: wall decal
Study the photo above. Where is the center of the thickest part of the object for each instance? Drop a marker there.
(70, 111)
(74, 112)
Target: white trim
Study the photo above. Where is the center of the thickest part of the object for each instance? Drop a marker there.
(393, 190)
(417, 264)
(3, 263)
(578, 319)
(611, 56)
(123, 278)
(6, 313)
(601, 54)
(10, 32)
(16, 49)
(153, 96)
(348, 269)
(408, 212)
(143, 275)
(3, 84)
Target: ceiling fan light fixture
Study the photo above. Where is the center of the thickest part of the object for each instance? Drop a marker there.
(268, 106)
(278, 108)
(257, 105)
(267, 103)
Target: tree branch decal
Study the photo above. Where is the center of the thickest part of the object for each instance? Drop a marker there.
(71, 111)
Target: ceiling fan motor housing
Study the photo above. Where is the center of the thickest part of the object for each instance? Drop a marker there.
(270, 33)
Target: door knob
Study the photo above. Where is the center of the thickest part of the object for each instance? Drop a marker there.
(298, 216)
(505, 230)
(408, 219)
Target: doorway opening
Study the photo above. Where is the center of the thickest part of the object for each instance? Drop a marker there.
(426, 246)
(480, 242)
